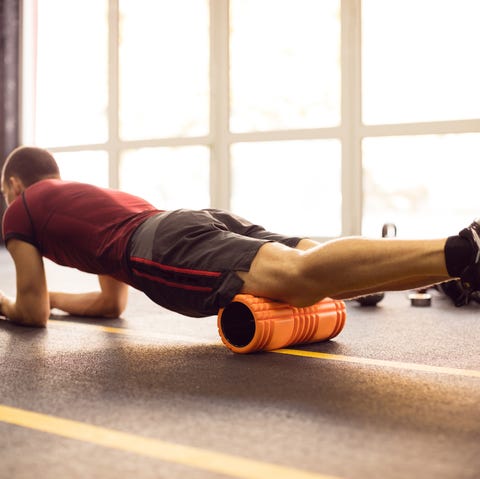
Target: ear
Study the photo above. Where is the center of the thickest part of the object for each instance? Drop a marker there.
(17, 185)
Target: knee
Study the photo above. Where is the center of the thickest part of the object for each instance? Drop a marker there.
(281, 273)
(300, 289)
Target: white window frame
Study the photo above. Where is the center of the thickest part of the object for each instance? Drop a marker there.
(351, 132)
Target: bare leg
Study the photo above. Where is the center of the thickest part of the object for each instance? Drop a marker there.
(410, 283)
(343, 268)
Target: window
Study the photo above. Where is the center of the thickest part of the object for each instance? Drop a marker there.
(86, 166)
(421, 98)
(71, 73)
(423, 183)
(285, 72)
(313, 118)
(163, 69)
(270, 185)
(170, 178)
(419, 60)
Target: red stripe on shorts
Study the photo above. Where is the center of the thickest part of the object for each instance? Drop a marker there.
(188, 287)
(197, 272)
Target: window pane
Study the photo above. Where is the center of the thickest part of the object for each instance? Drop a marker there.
(427, 185)
(169, 178)
(164, 71)
(71, 82)
(84, 166)
(420, 60)
(285, 70)
(291, 187)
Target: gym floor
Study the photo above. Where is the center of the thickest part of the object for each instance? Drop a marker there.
(156, 395)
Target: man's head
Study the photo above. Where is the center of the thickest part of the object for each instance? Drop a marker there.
(25, 166)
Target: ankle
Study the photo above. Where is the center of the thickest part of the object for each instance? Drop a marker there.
(459, 253)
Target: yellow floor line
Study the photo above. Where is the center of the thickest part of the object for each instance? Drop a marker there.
(194, 457)
(472, 373)
(135, 333)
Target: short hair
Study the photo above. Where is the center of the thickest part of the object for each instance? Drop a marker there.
(30, 164)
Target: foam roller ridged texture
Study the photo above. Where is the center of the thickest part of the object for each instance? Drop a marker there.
(277, 324)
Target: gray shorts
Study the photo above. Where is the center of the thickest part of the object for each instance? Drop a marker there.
(186, 260)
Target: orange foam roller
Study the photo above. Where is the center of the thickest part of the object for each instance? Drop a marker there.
(250, 323)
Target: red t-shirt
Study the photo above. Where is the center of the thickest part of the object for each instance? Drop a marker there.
(78, 225)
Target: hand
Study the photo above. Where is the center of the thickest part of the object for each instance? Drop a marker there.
(4, 299)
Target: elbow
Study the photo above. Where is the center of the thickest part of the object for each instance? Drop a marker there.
(42, 323)
(37, 320)
(114, 310)
(113, 314)
(40, 317)
(37, 317)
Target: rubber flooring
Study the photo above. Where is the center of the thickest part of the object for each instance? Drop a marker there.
(156, 395)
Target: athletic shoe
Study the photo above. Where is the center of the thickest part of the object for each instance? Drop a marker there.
(456, 292)
(470, 276)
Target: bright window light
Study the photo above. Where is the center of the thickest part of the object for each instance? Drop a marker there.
(170, 178)
(420, 60)
(71, 73)
(84, 166)
(164, 68)
(292, 187)
(275, 147)
(426, 185)
(285, 70)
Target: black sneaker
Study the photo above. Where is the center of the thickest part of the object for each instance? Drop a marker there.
(470, 276)
(456, 292)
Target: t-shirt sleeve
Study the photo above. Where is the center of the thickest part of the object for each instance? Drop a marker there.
(17, 223)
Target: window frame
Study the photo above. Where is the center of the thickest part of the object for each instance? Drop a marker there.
(351, 132)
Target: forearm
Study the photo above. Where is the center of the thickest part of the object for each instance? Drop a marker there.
(84, 304)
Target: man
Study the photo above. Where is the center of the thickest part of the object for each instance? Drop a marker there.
(192, 262)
